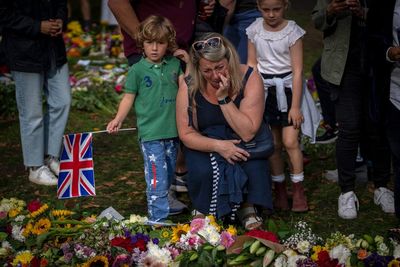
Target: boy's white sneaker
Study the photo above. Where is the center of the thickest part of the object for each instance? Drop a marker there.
(384, 198)
(348, 205)
(53, 164)
(42, 175)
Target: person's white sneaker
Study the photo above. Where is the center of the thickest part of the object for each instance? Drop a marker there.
(53, 164)
(348, 205)
(42, 176)
(384, 198)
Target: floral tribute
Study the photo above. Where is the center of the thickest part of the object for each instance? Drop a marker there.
(37, 234)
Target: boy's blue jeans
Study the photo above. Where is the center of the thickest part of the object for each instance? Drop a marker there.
(159, 158)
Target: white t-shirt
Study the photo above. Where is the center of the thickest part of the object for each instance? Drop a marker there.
(272, 48)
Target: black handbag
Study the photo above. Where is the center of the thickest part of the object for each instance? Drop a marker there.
(261, 146)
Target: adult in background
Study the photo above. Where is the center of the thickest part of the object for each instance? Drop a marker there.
(223, 95)
(32, 37)
(344, 65)
(383, 22)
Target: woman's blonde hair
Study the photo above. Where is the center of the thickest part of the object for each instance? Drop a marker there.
(224, 51)
(159, 29)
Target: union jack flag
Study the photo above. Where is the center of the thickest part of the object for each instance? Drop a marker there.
(76, 176)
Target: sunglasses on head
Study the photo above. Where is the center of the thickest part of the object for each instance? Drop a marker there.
(213, 42)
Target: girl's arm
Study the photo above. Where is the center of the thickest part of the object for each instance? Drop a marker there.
(123, 110)
(296, 55)
(251, 55)
(194, 140)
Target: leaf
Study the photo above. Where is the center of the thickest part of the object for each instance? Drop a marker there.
(272, 227)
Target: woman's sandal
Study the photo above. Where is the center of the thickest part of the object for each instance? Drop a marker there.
(249, 218)
(197, 215)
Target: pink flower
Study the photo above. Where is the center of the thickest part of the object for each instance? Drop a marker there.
(118, 88)
(196, 225)
(226, 239)
(3, 214)
(174, 252)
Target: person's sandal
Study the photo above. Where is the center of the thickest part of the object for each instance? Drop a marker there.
(197, 215)
(249, 218)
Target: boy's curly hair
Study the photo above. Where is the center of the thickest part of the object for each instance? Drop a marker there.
(159, 29)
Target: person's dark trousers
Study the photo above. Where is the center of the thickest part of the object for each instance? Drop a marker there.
(324, 94)
(393, 133)
(351, 105)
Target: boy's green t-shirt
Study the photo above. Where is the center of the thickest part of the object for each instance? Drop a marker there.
(155, 87)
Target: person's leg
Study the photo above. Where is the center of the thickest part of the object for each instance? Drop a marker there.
(292, 146)
(28, 91)
(393, 134)
(58, 92)
(86, 14)
(156, 175)
(277, 171)
(348, 107)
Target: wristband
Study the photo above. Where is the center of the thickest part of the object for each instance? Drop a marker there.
(224, 101)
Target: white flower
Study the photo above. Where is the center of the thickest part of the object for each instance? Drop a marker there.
(382, 249)
(303, 247)
(341, 253)
(159, 255)
(137, 219)
(6, 244)
(290, 253)
(291, 262)
(396, 248)
(19, 218)
(281, 261)
(17, 233)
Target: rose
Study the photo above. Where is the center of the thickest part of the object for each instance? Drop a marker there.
(34, 205)
(196, 225)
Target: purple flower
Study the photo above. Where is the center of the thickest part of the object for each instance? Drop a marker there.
(226, 239)
(156, 241)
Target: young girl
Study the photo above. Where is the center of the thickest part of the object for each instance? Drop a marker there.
(275, 47)
(152, 84)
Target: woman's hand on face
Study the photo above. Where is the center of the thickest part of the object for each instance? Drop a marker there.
(224, 85)
(232, 153)
(295, 117)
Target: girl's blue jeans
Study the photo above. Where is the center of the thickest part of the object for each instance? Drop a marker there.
(159, 158)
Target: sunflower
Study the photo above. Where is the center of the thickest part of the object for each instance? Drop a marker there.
(22, 258)
(61, 213)
(42, 226)
(165, 233)
(96, 261)
(36, 213)
(28, 229)
(394, 263)
(13, 213)
(179, 230)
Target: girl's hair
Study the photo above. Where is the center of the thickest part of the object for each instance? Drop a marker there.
(159, 29)
(224, 51)
(285, 2)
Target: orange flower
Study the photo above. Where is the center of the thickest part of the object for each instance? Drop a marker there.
(362, 254)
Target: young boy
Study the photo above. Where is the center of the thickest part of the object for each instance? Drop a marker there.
(152, 84)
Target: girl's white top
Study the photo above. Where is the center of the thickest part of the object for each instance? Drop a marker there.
(272, 48)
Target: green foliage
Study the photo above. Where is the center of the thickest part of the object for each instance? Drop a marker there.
(8, 103)
(96, 97)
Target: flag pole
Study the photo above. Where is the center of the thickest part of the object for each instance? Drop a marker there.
(120, 130)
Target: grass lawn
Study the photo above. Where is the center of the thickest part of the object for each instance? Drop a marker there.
(119, 171)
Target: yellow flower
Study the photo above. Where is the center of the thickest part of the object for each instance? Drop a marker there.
(165, 233)
(23, 257)
(316, 249)
(214, 223)
(96, 261)
(36, 213)
(13, 213)
(61, 213)
(42, 226)
(232, 230)
(28, 229)
(394, 263)
(179, 230)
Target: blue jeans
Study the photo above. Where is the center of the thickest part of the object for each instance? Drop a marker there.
(235, 31)
(42, 131)
(159, 158)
